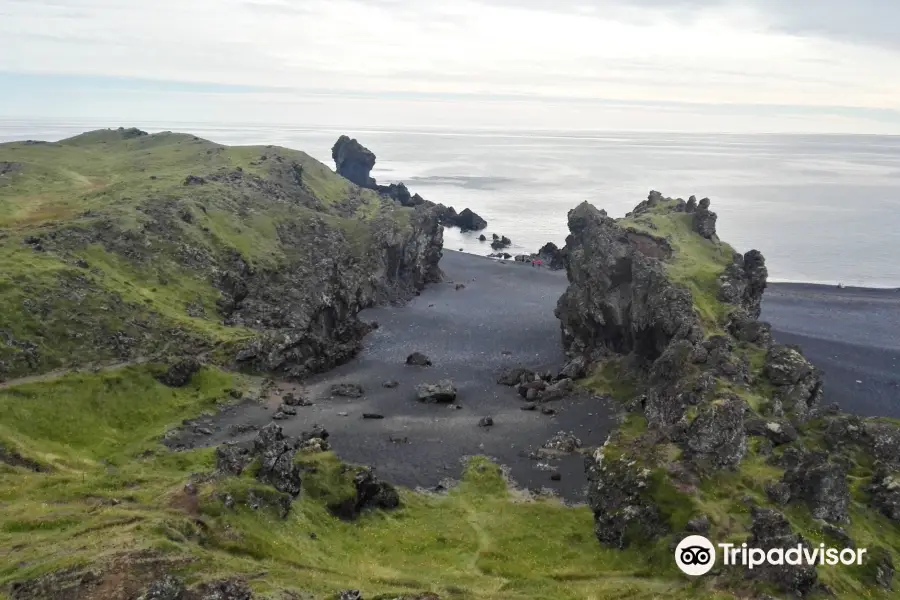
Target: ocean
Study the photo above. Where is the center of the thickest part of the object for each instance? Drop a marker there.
(821, 208)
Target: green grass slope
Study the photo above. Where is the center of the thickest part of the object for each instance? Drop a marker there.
(121, 251)
(107, 489)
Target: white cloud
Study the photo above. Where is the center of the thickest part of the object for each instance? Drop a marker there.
(621, 51)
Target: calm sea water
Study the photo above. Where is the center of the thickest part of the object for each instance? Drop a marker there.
(822, 209)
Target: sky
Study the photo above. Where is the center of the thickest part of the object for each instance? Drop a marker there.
(753, 66)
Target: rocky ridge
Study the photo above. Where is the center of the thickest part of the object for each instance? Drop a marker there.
(354, 161)
(658, 300)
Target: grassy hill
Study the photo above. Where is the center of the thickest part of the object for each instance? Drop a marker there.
(109, 252)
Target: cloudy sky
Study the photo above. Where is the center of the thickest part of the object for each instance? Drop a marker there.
(676, 65)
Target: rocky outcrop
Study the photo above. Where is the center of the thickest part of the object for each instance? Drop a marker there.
(370, 493)
(619, 299)
(619, 496)
(180, 372)
(276, 455)
(440, 392)
(884, 492)
(744, 282)
(716, 438)
(770, 529)
(549, 255)
(468, 221)
(798, 384)
(309, 313)
(705, 220)
(500, 242)
(553, 256)
(171, 588)
(822, 484)
(353, 161)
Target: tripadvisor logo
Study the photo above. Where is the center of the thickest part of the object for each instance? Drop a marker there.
(696, 555)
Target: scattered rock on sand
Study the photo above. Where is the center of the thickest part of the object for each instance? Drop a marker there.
(500, 242)
(372, 416)
(390, 384)
(418, 359)
(442, 391)
(564, 441)
(486, 422)
(347, 390)
(291, 399)
(574, 369)
(555, 391)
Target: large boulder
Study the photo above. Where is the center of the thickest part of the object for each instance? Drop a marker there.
(770, 529)
(822, 484)
(798, 384)
(883, 441)
(467, 220)
(179, 372)
(716, 437)
(619, 497)
(884, 492)
(370, 493)
(441, 392)
(232, 459)
(619, 298)
(353, 161)
(276, 454)
(552, 255)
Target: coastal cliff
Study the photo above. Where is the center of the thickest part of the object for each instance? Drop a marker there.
(141, 245)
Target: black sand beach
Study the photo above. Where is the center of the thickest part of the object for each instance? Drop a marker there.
(852, 334)
(504, 317)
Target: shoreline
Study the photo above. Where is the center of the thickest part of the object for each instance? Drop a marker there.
(774, 284)
(502, 316)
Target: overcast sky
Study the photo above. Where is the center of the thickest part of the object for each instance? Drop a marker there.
(694, 65)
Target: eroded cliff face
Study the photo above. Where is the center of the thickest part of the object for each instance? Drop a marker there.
(619, 298)
(309, 309)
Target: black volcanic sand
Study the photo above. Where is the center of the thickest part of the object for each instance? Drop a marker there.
(504, 317)
(852, 334)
